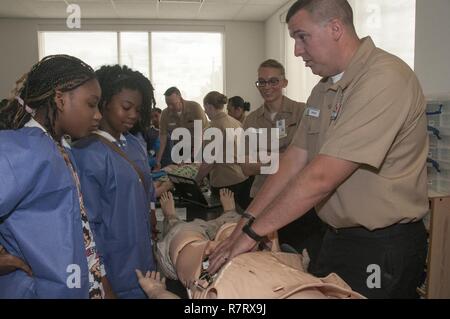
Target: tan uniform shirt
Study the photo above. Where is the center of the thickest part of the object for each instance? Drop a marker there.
(374, 116)
(226, 174)
(191, 111)
(291, 112)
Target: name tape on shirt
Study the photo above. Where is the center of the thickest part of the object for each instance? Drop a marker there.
(313, 112)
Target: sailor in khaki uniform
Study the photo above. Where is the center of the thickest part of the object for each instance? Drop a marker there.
(285, 114)
(179, 113)
(224, 174)
(359, 156)
(278, 111)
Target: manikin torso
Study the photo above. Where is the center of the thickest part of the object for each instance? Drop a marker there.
(269, 274)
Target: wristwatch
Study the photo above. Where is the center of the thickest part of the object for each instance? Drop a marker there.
(250, 232)
(250, 217)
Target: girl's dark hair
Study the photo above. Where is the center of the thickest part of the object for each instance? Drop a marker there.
(37, 90)
(114, 78)
(239, 102)
(216, 99)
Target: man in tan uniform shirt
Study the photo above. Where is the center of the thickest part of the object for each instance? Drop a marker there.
(359, 156)
(278, 111)
(179, 113)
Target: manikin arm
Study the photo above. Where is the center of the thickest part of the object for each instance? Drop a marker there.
(154, 286)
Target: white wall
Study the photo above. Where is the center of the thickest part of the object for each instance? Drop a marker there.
(244, 53)
(432, 52)
(244, 47)
(432, 59)
(301, 81)
(276, 33)
(19, 51)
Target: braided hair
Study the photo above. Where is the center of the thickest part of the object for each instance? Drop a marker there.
(114, 78)
(35, 91)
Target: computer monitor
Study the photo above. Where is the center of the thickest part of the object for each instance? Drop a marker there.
(188, 189)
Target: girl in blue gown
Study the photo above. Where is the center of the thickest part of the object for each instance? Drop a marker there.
(116, 180)
(43, 222)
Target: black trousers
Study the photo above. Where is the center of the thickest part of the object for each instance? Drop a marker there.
(241, 192)
(306, 232)
(399, 252)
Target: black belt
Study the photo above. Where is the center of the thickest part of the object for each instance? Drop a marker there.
(390, 230)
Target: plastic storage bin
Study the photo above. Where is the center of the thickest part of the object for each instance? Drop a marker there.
(439, 175)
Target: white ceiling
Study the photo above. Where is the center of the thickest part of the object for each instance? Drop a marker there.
(237, 10)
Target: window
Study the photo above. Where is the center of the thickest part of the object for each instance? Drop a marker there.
(391, 24)
(134, 51)
(94, 48)
(192, 61)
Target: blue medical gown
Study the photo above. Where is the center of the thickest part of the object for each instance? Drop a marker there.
(40, 219)
(151, 138)
(118, 210)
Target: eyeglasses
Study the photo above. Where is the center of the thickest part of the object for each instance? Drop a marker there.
(271, 82)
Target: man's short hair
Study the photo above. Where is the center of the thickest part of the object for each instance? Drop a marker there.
(171, 91)
(157, 109)
(271, 63)
(324, 10)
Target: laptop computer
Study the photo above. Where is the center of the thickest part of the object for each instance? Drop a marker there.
(188, 190)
